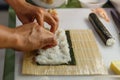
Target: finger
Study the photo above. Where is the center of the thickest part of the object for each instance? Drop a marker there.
(50, 20)
(48, 38)
(40, 20)
(48, 46)
(56, 19)
(51, 43)
(53, 13)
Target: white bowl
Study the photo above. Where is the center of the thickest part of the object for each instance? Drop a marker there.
(92, 3)
(54, 4)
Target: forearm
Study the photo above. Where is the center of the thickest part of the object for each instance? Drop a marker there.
(7, 37)
(16, 3)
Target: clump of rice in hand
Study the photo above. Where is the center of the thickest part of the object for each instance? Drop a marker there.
(56, 55)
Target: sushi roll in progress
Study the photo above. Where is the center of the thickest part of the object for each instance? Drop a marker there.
(59, 54)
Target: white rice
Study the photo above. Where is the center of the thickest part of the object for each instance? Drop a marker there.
(110, 41)
(57, 55)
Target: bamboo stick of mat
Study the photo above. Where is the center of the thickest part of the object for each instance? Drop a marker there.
(87, 56)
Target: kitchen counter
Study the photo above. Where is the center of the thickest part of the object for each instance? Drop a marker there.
(73, 25)
(78, 19)
(4, 17)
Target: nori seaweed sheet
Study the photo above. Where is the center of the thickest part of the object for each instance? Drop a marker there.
(73, 61)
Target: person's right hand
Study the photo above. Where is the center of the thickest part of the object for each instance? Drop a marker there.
(32, 36)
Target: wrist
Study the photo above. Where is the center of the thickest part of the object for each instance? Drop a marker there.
(12, 39)
(7, 37)
(17, 40)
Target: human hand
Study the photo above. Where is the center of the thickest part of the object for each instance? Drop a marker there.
(32, 36)
(28, 13)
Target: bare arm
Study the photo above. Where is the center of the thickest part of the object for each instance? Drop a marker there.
(15, 3)
(7, 37)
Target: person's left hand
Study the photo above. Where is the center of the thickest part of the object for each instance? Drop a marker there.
(31, 37)
(28, 13)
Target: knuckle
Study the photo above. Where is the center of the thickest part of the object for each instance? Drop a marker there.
(40, 11)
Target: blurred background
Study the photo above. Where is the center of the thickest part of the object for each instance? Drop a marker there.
(3, 13)
(3, 5)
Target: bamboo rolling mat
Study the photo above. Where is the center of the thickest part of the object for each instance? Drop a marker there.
(87, 56)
